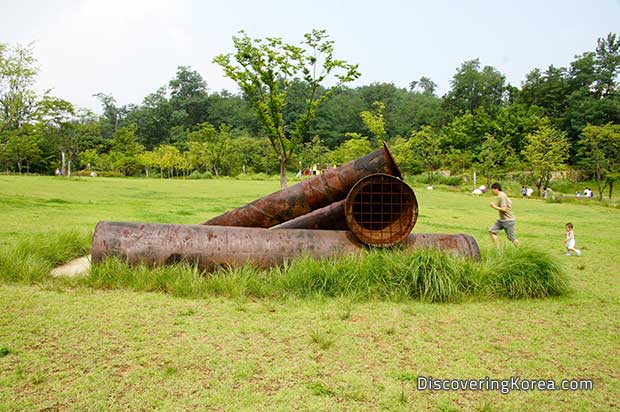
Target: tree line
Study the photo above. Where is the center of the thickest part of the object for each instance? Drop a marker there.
(286, 118)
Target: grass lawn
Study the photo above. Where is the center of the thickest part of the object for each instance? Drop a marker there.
(81, 349)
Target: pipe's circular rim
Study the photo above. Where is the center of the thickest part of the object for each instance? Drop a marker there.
(381, 210)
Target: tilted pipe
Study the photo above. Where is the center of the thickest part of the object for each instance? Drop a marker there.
(312, 194)
(326, 218)
(380, 210)
(213, 246)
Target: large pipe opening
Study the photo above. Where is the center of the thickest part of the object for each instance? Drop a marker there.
(381, 210)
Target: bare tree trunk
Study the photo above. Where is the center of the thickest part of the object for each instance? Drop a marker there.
(611, 188)
(282, 173)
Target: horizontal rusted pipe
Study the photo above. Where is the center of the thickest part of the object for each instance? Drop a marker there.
(312, 194)
(210, 247)
(213, 246)
(380, 210)
(458, 245)
(326, 218)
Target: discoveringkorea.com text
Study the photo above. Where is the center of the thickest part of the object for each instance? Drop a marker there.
(504, 386)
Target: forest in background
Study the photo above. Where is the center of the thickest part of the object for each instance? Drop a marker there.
(559, 118)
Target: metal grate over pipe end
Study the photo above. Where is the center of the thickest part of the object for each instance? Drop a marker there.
(381, 210)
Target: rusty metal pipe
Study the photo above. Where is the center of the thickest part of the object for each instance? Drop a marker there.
(380, 210)
(213, 246)
(458, 245)
(312, 194)
(326, 218)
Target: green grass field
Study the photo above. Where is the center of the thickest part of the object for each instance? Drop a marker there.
(78, 348)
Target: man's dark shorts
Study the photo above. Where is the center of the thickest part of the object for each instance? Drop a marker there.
(508, 226)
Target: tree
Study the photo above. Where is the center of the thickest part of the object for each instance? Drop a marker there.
(17, 76)
(545, 152)
(422, 151)
(188, 95)
(607, 65)
(493, 157)
(126, 150)
(166, 157)
(355, 147)
(22, 147)
(313, 152)
(263, 69)
(473, 88)
(425, 84)
(600, 155)
(375, 122)
(113, 116)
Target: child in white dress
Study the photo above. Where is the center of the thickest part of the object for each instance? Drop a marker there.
(570, 241)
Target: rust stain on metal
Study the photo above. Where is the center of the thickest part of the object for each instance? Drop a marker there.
(314, 193)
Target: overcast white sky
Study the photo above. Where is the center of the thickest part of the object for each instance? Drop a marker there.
(130, 48)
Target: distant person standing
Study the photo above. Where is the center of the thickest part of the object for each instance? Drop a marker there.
(523, 191)
(506, 219)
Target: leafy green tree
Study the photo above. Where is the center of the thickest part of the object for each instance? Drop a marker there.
(425, 149)
(188, 95)
(167, 157)
(421, 152)
(494, 157)
(313, 152)
(600, 155)
(425, 84)
(113, 116)
(512, 123)
(337, 116)
(17, 76)
(263, 68)
(548, 89)
(22, 147)
(126, 150)
(355, 147)
(467, 132)
(473, 88)
(546, 151)
(154, 119)
(375, 122)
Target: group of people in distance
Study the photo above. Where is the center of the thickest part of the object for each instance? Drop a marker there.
(586, 193)
(507, 221)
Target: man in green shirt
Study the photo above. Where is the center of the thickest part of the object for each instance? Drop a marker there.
(506, 219)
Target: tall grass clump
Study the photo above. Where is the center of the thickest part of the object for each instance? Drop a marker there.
(31, 258)
(523, 272)
(425, 275)
(181, 280)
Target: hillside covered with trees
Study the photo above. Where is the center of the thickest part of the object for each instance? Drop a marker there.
(558, 117)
